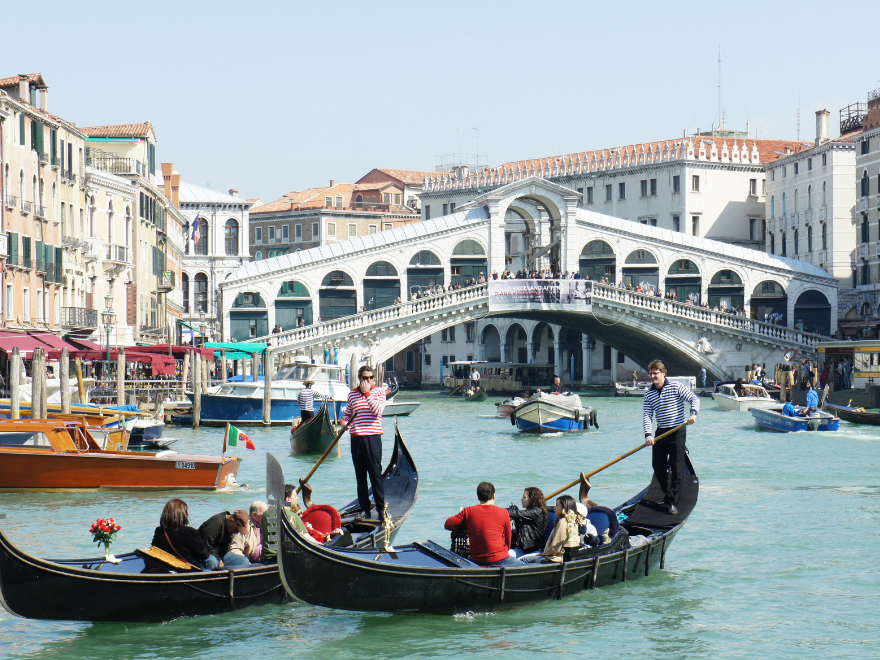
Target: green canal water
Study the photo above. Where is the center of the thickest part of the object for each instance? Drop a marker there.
(779, 559)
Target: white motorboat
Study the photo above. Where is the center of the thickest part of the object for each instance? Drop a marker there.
(400, 408)
(504, 408)
(548, 413)
(637, 388)
(752, 396)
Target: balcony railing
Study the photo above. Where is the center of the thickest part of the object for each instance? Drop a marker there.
(71, 178)
(79, 317)
(822, 214)
(117, 253)
(112, 164)
(56, 162)
(863, 204)
(44, 157)
(26, 207)
(40, 265)
(11, 202)
(40, 211)
(863, 251)
(808, 215)
(167, 279)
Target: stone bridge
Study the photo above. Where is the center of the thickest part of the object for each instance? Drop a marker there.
(540, 224)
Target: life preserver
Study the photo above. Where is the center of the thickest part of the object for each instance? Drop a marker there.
(593, 418)
(577, 415)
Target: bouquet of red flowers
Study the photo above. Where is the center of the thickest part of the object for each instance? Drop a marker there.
(103, 531)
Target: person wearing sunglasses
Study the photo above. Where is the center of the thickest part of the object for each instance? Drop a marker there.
(366, 403)
(665, 400)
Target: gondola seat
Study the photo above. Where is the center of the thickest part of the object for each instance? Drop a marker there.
(321, 520)
(604, 520)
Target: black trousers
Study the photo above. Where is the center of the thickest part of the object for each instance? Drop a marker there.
(666, 454)
(306, 415)
(366, 454)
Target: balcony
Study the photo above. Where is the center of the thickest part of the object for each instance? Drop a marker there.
(26, 207)
(795, 219)
(863, 251)
(822, 214)
(781, 223)
(112, 164)
(79, 317)
(117, 254)
(40, 211)
(167, 280)
(11, 202)
(863, 204)
(808, 216)
(4, 245)
(40, 265)
(56, 162)
(823, 256)
(71, 178)
(44, 157)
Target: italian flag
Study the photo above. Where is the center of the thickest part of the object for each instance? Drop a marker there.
(236, 438)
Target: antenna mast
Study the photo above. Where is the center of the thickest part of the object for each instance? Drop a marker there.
(719, 87)
(799, 115)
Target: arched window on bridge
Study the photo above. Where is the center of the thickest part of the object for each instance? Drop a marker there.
(248, 317)
(337, 297)
(726, 291)
(683, 279)
(293, 302)
(641, 268)
(468, 261)
(812, 313)
(769, 303)
(425, 270)
(381, 285)
(598, 261)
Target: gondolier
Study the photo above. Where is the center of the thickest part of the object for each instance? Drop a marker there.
(475, 378)
(368, 401)
(665, 400)
(306, 400)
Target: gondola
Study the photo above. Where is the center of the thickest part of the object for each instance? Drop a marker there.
(92, 590)
(852, 414)
(313, 436)
(479, 395)
(426, 577)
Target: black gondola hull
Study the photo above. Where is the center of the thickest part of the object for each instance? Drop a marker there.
(313, 436)
(852, 415)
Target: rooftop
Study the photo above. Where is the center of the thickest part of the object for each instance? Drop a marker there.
(189, 193)
(412, 177)
(140, 130)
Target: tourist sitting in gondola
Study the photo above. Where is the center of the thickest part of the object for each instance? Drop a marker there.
(530, 522)
(216, 532)
(488, 529)
(564, 538)
(269, 530)
(588, 533)
(246, 545)
(176, 537)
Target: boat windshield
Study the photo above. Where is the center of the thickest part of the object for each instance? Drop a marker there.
(24, 439)
(313, 371)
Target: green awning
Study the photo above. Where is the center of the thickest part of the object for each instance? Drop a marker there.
(184, 323)
(236, 350)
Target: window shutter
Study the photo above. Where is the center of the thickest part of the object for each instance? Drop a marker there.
(21, 129)
(59, 254)
(54, 146)
(40, 145)
(13, 248)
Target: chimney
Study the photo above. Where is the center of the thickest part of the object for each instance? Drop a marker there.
(175, 190)
(822, 118)
(233, 192)
(332, 183)
(44, 99)
(23, 88)
(167, 171)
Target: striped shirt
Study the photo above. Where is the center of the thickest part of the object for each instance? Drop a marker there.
(369, 409)
(667, 404)
(306, 399)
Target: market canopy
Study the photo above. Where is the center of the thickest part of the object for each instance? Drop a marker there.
(176, 351)
(237, 350)
(27, 342)
(161, 364)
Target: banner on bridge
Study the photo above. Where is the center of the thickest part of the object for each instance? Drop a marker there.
(573, 295)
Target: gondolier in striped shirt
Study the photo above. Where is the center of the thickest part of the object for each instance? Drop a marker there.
(306, 400)
(665, 400)
(367, 402)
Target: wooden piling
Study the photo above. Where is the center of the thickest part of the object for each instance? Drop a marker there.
(184, 375)
(80, 384)
(120, 377)
(267, 388)
(206, 375)
(44, 390)
(65, 382)
(15, 383)
(36, 384)
(223, 365)
(197, 389)
(255, 368)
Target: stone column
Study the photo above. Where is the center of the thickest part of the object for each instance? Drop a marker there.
(534, 347)
(497, 248)
(505, 352)
(36, 384)
(558, 357)
(267, 388)
(587, 358)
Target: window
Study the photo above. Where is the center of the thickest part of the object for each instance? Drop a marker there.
(328, 201)
(608, 192)
(796, 167)
(809, 239)
(809, 164)
(445, 209)
(231, 237)
(257, 257)
(427, 359)
(580, 192)
(772, 206)
(865, 144)
(763, 186)
(427, 212)
(352, 230)
(452, 207)
(753, 228)
(297, 232)
(10, 302)
(270, 232)
(184, 287)
(252, 328)
(200, 288)
(372, 229)
(824, 160)
(331, 230)
(621, 358)
(644, 183)
(410, 361)
(621, 190)
(316, 231)
(866, 184)
(782, 240)
(386, 198)
(653, 187)
(866, 231)
(784, 171)
(823, 193)
(26, 304)
(285, 233)
(695, 183)
(796, 241)
(753, 187)
(676, 184)
(676, 223)
(258, 235)
(387, 226)
(824, 236)
(695, 225)
(772, 244)
(773, 175)
(590, 195)
(338, 201)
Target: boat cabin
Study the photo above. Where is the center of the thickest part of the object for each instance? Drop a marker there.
(514, 377)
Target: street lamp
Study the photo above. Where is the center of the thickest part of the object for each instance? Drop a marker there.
(203, 327)
(108, 316)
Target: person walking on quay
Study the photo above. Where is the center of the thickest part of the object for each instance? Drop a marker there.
(366, 402)
(665, 400)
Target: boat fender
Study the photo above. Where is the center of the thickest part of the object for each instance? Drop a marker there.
(513, 418)
(593, 418)
(577, 415)
(166, 452)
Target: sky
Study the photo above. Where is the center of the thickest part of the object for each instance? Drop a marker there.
(269, 97)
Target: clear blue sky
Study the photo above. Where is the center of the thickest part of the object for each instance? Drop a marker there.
(270, 97)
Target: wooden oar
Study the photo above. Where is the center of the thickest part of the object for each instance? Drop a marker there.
(324, 455)
(454, 391)
(609, 464)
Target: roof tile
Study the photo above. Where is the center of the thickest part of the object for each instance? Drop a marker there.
(140, 130)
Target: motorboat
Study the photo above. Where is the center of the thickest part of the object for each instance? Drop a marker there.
(773, 419)
(400, 408)
(547, 412)
(637, 387)
(751, 396)
(504, 408)
(241, 403)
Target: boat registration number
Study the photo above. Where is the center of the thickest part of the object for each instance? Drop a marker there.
(185, 465)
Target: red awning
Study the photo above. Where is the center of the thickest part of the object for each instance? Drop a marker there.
(26, 344)
(161, 365)
(53, 340)
(177, 351)
(84, 344)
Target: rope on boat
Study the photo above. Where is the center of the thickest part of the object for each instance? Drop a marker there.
(525, 591)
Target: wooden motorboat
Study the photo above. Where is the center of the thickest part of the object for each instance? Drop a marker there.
(313, 436)
(773, 419)
(852, 414)
(426, 577)
(141, 589)
(752, 396)
(550, 413)
(478, 395)
(62, 454)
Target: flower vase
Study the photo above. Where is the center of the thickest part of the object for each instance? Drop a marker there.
(107, 556)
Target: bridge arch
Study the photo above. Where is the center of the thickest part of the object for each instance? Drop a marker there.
(812, 312)
(490, 340)
(683, 278)
(337, 296)
(769, 302)
(425, 269)
(641, 267)
(468, 262)
(381, 285)
(541, 343)
(516, 340)
(598, 260)
(726, 290)
(292, 303)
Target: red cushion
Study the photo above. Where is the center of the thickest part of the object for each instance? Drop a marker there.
(322, 517)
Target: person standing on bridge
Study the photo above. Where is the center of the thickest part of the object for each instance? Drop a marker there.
(665, 400)
(368, 403)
